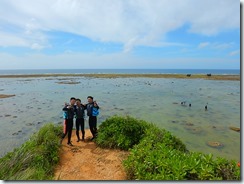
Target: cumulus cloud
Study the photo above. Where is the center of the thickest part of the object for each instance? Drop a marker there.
(129, 22)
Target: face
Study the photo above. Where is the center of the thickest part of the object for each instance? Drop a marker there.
(72, 102)
(78, 102)
(89, 100)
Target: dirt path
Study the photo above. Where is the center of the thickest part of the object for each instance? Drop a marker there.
(86, 161)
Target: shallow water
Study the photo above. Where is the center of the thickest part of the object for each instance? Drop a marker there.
(40, 100)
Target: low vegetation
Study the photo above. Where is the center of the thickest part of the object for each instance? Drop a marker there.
(155, 154)
(35, 159)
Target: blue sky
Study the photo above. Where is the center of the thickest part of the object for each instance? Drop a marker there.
(175, 34)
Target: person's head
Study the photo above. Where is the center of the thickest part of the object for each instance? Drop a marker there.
(72, 101)
(78, 101)
(90, 99)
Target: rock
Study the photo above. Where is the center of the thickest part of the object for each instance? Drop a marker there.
(29, 124)
(235, 129)
(215, 144)
(5, 96)
(7, 115)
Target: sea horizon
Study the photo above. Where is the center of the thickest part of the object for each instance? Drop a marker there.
(120, 71)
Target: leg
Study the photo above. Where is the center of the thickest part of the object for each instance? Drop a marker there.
(95, 125)
(64, 131)
(69, 129)
(83, 128)
(77, 129)
(91, 124)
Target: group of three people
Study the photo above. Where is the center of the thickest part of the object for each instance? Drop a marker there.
(77, 110)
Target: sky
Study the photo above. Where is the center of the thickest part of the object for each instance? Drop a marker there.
(110, 34)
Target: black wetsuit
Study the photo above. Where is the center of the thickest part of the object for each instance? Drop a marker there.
(92, 118)
(79, 122)
(69, 122)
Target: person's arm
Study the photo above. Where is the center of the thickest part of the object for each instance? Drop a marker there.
(66, 108)
(96, 105)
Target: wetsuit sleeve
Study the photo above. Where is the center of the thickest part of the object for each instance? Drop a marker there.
(65, 108)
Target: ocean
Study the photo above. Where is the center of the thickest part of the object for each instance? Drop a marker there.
(38, 101)
(124, 71)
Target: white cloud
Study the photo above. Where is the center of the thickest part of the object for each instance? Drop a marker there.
(233, 53)
(203, 44)
(130, 22)
(109, 61)
(215, 45)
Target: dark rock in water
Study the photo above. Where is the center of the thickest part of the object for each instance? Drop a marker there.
(39, 122)
(15, 133)
(15, 116)
(194, 130)
(7, 115)
(213, 126)
(189, 124)
(20, 131)
(29, 124)
(175, 103)
(235, 129)
(174, 121)
(215, 144)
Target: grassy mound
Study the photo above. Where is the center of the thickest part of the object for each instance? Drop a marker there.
(155, 154)
(121, 132)
(35, 159)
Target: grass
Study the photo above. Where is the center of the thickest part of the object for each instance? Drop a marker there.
(35, 159)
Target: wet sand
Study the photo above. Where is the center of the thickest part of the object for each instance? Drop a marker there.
(178, 76)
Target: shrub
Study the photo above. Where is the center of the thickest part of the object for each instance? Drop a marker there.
(121, 132)
(161, 156)
(35, 159)
(155, 154)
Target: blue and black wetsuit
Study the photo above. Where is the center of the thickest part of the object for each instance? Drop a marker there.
(70, 112)
(79, 122)
(92, 112)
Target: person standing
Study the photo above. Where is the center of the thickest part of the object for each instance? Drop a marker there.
(92, 112)
(69, 109)
(79, 122)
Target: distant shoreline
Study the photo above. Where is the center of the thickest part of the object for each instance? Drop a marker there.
(178, 76)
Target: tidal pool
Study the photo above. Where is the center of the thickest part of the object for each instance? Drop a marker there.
(40, 100)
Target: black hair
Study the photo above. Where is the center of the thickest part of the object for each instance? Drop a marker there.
(78, 100)
(90, 97)
(72, 98)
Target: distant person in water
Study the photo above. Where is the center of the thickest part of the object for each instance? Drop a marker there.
(92, 112)
(79, 122)
(69, 110)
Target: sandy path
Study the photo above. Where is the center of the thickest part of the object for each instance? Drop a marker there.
(86, 161)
